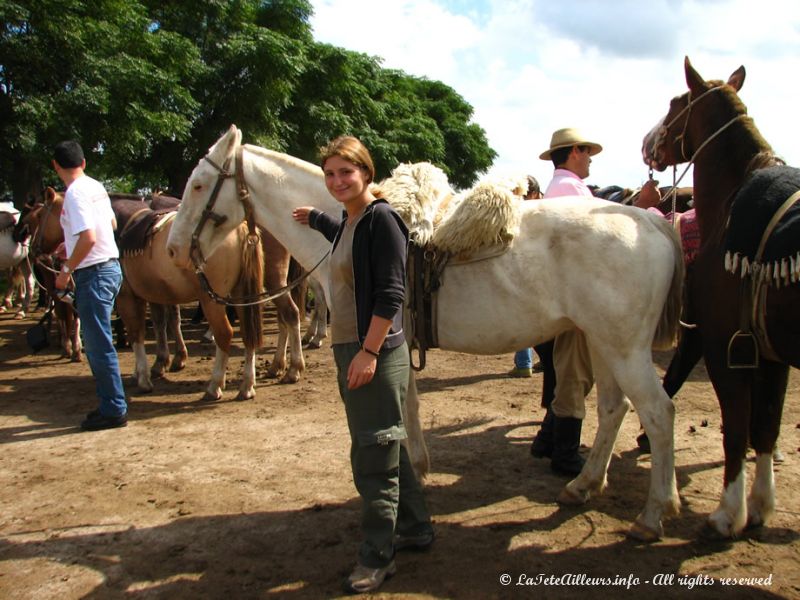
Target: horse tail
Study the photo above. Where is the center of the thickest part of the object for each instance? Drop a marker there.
(251, 282)
(669, 322)
(300, 292)
(415, 443)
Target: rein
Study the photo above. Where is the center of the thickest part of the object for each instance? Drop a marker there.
(253, 236)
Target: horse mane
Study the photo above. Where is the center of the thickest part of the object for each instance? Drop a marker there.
(274, 155)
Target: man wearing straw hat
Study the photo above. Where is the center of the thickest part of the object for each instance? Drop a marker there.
(568, 378)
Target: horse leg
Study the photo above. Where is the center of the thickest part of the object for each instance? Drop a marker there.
(174, 326)
(765, 419)
(611, 409)
(132, 310)
(288, 327)
(318, 328)
(733, 389)
(639, 381)
(686, 356)
(74, 331)
(158, 314)
(278, 363)
(247, 391)
(223, 336)
(415, 443)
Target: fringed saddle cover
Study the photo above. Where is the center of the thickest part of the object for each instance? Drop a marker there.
(764, 192)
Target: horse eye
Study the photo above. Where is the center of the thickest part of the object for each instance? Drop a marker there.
(197, 187)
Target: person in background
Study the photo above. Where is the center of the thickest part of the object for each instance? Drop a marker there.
(568, 378)
(92, 263)
(523, 359)
(367, 283)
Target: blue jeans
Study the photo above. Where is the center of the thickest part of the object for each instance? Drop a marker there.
(96, 288)
(523, 359)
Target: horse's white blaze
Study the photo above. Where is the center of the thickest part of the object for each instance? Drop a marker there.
(761, 504)
(576, 263)
(730, 517)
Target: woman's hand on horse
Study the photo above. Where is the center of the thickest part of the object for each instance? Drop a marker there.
(300, 214)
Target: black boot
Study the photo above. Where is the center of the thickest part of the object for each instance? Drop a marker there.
(542, 446)
(566, 441)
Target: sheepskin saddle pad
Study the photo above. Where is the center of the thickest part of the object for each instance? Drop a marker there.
(486, 215)
(758, 200)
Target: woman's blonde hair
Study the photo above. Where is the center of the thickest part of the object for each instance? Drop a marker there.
(351, 149)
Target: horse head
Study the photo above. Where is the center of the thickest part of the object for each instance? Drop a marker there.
(692, 119)
(209, 209)
(43, 221)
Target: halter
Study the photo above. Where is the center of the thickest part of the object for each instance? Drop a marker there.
(664, 129)
(253, 236)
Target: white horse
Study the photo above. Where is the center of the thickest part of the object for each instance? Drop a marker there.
(576, 262)
(13, 257)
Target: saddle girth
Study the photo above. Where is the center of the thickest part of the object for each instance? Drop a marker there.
(425, 266)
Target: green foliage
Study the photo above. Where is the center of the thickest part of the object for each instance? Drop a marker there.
(148, 85)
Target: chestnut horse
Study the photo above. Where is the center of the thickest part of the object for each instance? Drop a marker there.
(709, 126)
(151, 277)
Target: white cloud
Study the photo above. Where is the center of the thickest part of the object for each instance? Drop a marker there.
(529, 67)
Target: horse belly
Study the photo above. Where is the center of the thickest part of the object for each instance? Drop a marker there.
(488, 308)
(160, 281)
(11, 253)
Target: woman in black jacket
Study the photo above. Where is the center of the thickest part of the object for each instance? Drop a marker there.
(367, 284)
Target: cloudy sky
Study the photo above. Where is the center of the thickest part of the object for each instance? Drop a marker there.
(609, 67)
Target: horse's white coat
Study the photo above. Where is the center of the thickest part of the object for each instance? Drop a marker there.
(13, 256)
(575, 263)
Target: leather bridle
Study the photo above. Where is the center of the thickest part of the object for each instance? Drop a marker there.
(253, 237)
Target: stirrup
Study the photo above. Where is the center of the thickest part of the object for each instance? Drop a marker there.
(743, 351)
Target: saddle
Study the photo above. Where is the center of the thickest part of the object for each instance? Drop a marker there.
(139, 229)
(446, 229)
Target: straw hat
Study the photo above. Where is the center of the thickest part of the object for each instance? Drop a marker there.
(565, 138)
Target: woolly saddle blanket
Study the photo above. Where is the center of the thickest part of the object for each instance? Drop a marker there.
(486, 216)
(762, 194)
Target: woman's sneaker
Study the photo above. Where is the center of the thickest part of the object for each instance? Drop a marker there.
(363, 579)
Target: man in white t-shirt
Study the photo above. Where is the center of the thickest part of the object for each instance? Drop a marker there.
(92, 263)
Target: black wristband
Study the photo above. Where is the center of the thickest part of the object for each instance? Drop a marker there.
(368, 351)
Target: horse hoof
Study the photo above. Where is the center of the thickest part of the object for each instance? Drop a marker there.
(709, 533)
(175, 367)
(567, 497)
(76, 358)
(312, 345)
(244, 396)
(270, 374)
(643, 533)
(290, 378)
(19, 316)
(209, 397)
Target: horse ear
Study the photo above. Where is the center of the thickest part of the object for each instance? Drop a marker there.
(693, 78)
(736, 80)
(49, 194)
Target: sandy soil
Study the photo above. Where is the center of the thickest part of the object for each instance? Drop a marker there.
(254, 499)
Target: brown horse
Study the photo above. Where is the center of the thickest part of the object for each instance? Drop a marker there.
(151, 278)
(709, 126)
(45, 267)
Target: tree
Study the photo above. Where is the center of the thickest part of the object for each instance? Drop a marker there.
(95, 71)
(399, 117)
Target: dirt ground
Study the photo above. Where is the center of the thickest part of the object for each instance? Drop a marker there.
(254, 499)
